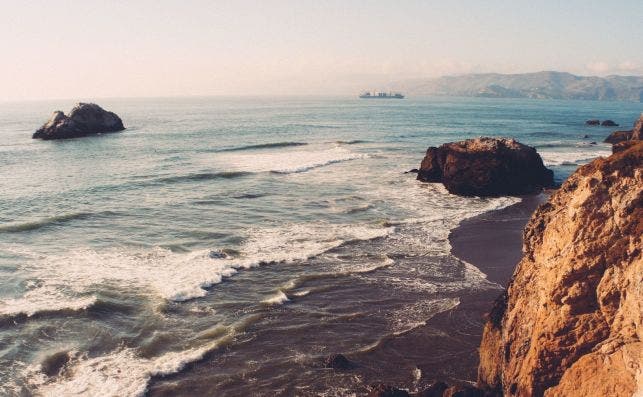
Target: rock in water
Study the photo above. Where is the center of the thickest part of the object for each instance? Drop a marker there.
(84, 119)
(609, 123)
(571, 323)
(486, 167)
(338, 361)
(593, 122)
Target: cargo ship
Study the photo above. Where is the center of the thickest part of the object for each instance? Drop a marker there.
(382, 95)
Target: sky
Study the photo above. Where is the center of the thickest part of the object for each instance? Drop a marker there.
(148, 48)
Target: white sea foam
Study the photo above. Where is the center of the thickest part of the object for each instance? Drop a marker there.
(63, 281)
(575, 157)
(277, 299)
(287, 162)
(121, 373)
(45, 299)
(417, 314)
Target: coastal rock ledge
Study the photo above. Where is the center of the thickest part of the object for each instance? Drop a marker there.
(84, 119)
(571, 321)
(486, 167)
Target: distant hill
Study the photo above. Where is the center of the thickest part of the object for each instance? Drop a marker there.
(540, 85)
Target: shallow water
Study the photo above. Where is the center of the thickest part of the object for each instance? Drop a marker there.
(225, 246)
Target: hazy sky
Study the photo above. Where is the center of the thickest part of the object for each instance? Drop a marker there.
(91, 48)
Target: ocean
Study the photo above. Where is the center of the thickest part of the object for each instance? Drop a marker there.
(226, 246)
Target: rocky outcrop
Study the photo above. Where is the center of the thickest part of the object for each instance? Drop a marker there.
(84, 119)
(571, 322)
(621, 140)
(486, 167)
(593, 122)
(609, 123)
(618, 136)
(637, 131)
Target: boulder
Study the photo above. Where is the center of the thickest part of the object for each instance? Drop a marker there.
(84, 119)
(338, 361)
(486, 167)
(571, 323)
(593, 122)
(609, 123)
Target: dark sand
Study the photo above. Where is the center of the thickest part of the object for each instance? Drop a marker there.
(446, 348)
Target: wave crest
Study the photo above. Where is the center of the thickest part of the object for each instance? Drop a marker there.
(263, 146)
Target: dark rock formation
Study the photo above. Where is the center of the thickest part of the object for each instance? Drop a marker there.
(571, 323)
(486, 167)
(339, 362)
(618, 136)
(593, 122)
(463, 391)
(54, 364)
(609, 123)
(217, 254)
(84, 119)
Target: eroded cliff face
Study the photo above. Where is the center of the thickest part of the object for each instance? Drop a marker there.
(571, 323)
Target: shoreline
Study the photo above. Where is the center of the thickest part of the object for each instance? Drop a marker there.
(446, 347)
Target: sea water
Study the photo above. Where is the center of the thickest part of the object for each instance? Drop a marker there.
(229, 244)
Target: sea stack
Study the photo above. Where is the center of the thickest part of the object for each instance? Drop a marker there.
(571, 321)
(486, 167)
(84, 119)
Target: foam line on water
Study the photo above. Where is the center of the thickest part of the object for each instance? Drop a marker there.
(574, 157)
(120, 373)
(63, 280)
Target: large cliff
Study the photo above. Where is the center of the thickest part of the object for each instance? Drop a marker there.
(571, 322)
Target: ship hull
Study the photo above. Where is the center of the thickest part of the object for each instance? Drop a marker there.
(381, 97)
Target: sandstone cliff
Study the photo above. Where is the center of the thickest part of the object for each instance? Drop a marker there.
(571, 322)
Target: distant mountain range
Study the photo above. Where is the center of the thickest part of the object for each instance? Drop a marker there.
(540, 85)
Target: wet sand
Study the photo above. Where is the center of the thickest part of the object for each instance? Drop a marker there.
(446, 348)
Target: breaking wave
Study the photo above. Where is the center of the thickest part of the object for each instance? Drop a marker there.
(61, 282)
(264, 146)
